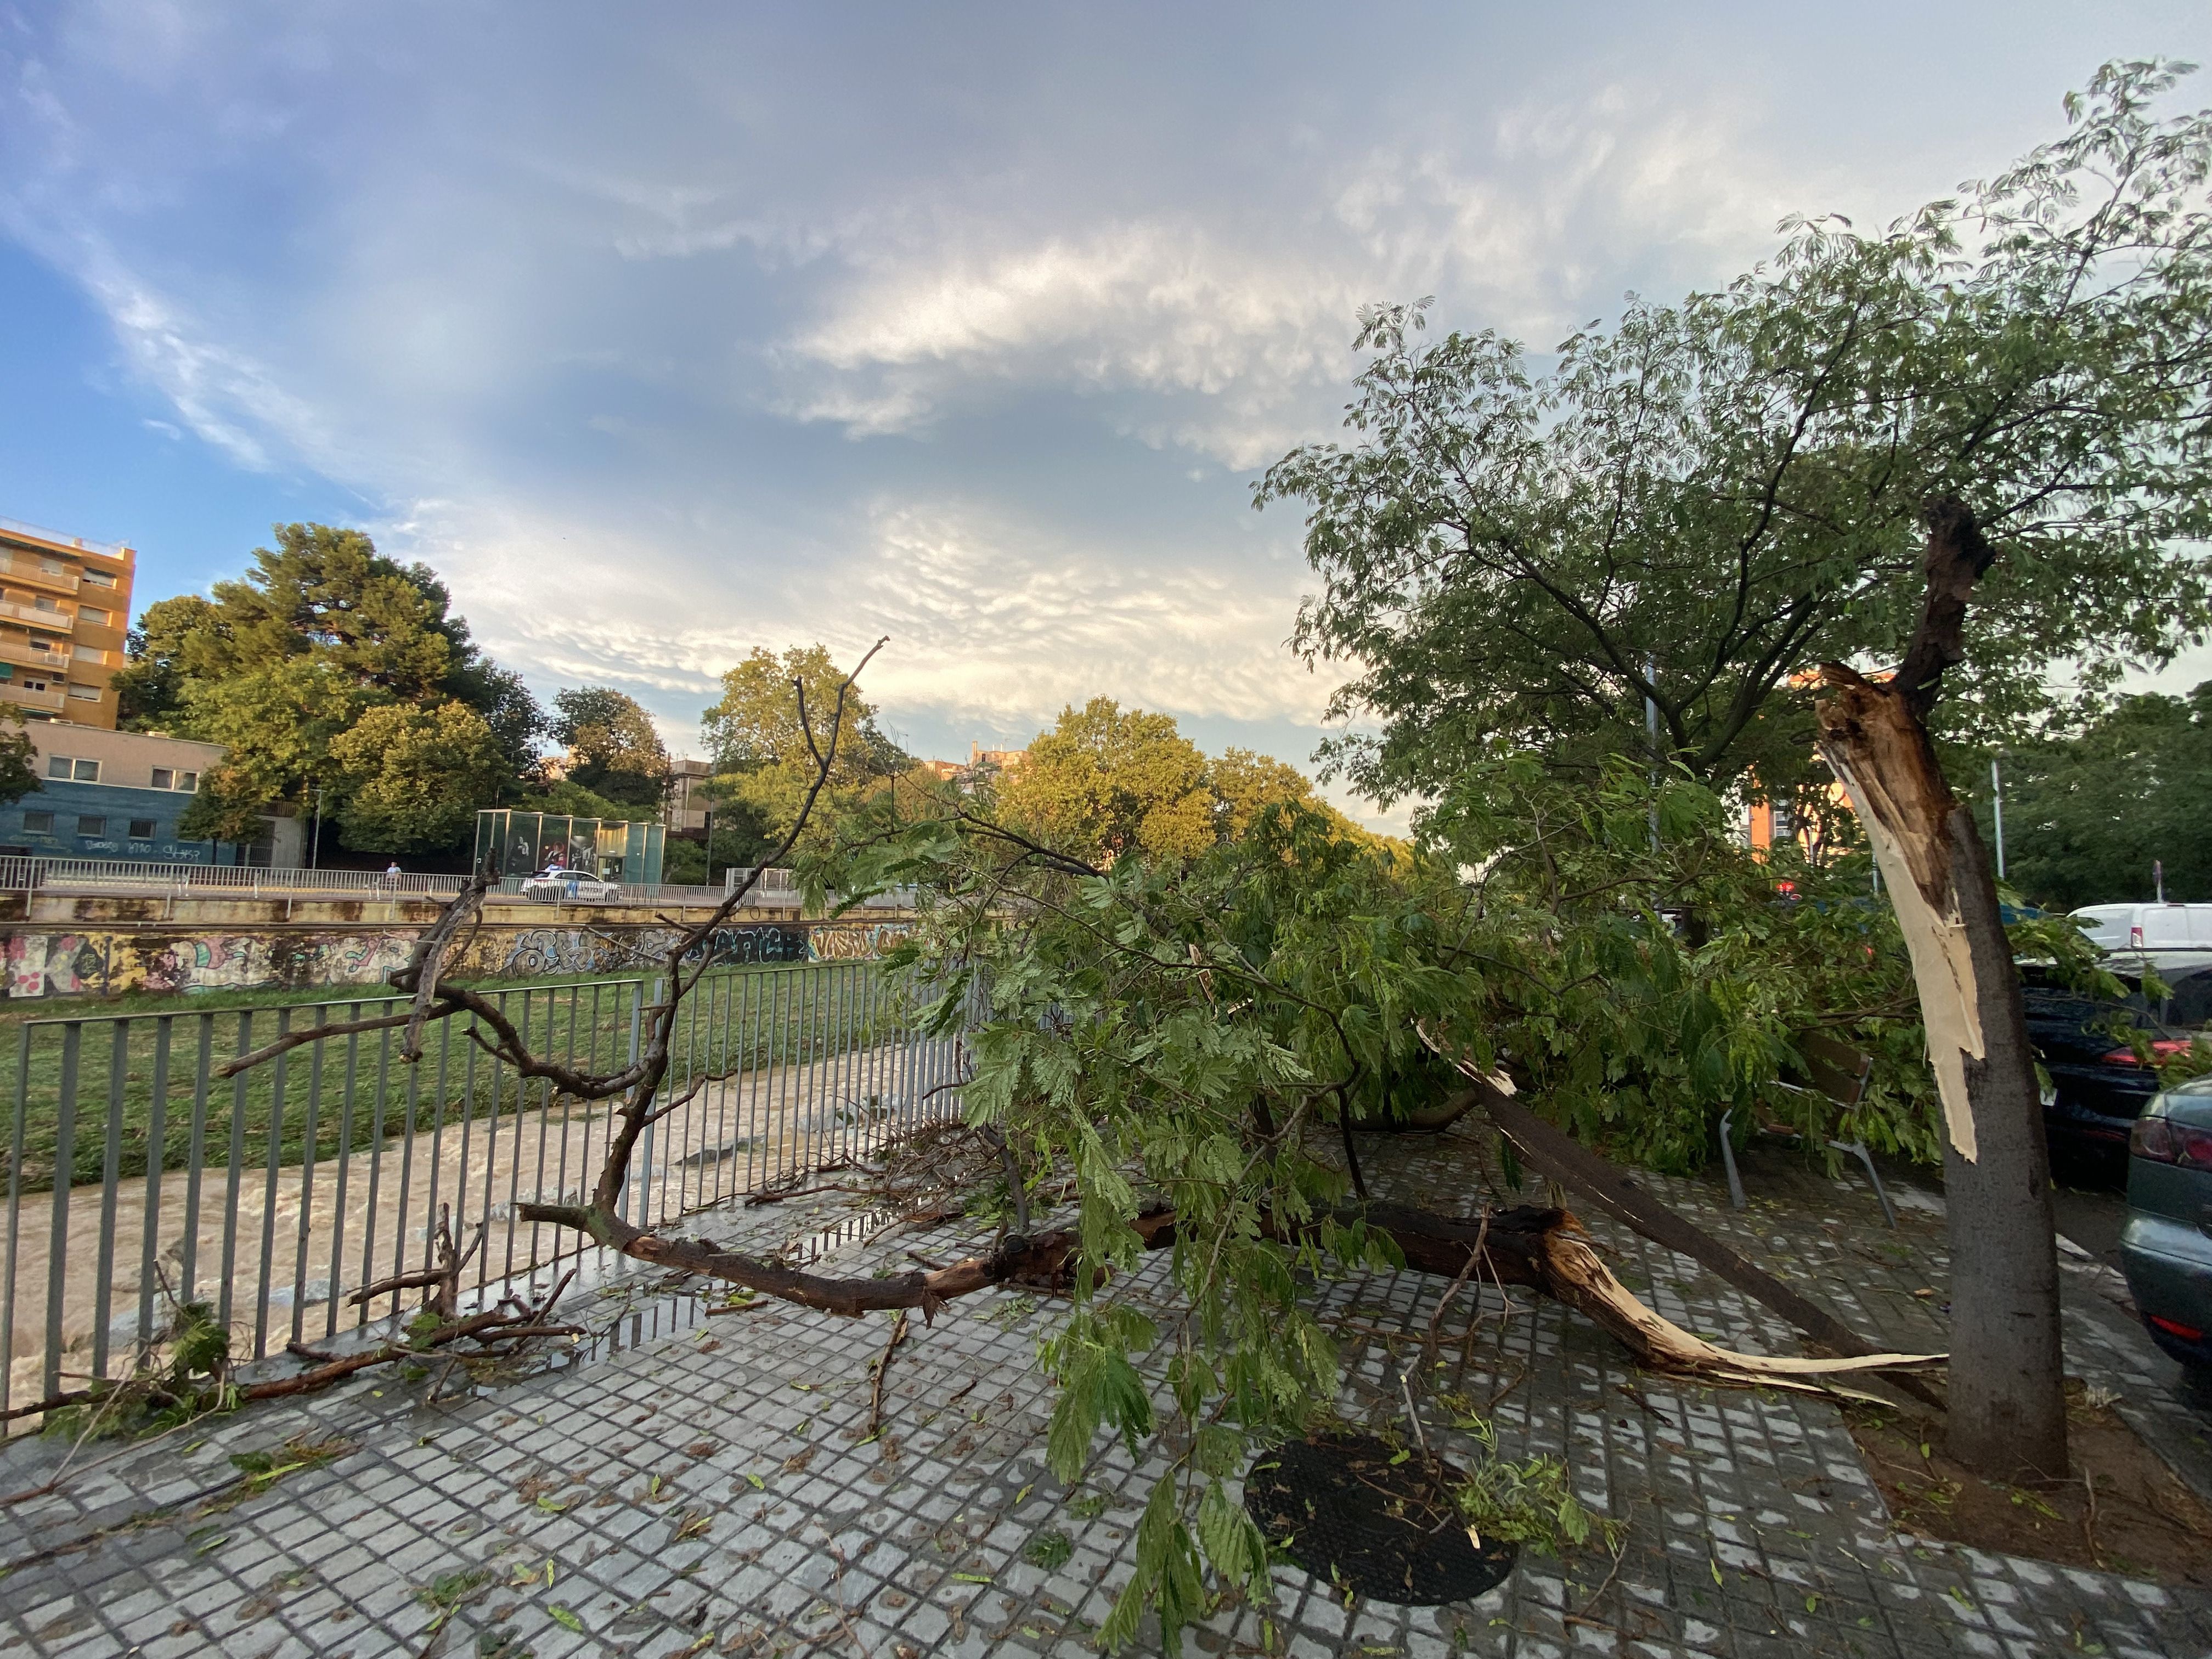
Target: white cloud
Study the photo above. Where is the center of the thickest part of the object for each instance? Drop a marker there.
(1236, 324)
(591, 312)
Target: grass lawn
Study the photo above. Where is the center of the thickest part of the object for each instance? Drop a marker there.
(133, 1065)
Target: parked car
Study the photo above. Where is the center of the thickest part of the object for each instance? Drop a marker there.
(2187, 976)
(559, 886)
(2098, 1082)
(2165, 1249)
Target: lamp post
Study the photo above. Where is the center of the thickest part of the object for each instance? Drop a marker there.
(1651, 734)
(1996, 811)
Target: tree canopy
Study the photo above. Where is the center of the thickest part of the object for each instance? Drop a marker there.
(18, 772)
(1705, 499)
(758, 747)
(324, 650)
(1106, 782)
(412, 777)
(614, 749)
(2086, 815)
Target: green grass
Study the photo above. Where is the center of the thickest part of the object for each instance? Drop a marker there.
(737, 1018)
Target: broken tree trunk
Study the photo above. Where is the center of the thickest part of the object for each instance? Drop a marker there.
(2007, 1406)
(1551, 1150)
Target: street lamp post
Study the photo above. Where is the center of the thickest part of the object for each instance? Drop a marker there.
(1996, 811)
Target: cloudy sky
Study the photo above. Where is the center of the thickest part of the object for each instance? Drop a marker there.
(667, 331)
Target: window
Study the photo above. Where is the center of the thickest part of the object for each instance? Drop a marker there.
(53, 566)
(99, 578)
(40, 602)
(38, 824)
(164, 778)
(142, 828)
(32, 683)
(83, 771)
(58, 766)
(88, 771)
(95, 828)
(85, 693)
(188, 782)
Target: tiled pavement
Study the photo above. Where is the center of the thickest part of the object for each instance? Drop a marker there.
(707, 1490)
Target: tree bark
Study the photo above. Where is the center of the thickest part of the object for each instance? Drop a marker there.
(2008, 1411)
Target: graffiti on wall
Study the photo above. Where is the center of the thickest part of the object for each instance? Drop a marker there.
(71, 965)
(206, 961)
(533, 950)
(552, 951)
(246, 962)
(859, 941)
(55, 965)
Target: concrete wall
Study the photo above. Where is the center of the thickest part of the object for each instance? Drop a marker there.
(103, 954)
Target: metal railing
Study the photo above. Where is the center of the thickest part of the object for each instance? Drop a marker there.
(17, 526)
(137, 1181)
(18, 874)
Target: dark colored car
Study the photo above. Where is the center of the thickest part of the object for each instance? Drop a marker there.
(2099, 1083)
(2166, 1249)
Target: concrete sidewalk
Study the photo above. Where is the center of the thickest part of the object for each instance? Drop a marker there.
(706, 1489)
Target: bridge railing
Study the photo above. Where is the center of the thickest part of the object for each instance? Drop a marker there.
(777, 888)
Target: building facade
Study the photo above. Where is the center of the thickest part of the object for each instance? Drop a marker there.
(686, 807)
(108, 794)
(64, 604)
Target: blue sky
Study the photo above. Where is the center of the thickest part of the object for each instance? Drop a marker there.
(664, 332)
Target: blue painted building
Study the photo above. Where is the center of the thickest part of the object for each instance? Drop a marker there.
(108, 794)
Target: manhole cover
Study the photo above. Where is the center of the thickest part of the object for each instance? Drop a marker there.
(1345, 1513)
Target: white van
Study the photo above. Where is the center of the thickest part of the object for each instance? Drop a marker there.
(2148, 926)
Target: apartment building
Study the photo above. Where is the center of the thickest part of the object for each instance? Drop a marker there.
(64, 602)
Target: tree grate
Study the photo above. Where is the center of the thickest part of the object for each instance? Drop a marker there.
(1338, 1506)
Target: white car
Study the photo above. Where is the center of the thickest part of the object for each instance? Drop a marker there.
(559, 886)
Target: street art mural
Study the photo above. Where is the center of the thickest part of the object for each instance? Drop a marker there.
(205, 962)
(533, 950)
(55, 965)
(854, 941)
(246, 961)
(44, 964)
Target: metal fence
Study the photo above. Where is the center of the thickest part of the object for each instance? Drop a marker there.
(20, 874)
(138, 1180)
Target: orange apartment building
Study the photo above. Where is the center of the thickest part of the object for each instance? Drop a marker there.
(64, 602)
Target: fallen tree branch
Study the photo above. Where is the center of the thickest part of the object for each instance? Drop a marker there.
(883, 1365)
(1551, 1150)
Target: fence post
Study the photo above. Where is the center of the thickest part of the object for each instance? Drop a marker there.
(645, 1217)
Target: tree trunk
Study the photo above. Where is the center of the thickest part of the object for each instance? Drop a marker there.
(2008, 1410)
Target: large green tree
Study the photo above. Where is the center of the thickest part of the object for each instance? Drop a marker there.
(411, 779)
(613, 748)
(1108, 782)
(321, 631)
(2088, 815)
(763, 766)
(1686, 509)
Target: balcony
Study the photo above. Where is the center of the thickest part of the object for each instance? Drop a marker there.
(59, 620)
(32, 656)
(27, 568)
(53, 701)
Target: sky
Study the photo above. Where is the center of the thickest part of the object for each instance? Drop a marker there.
(667, 332)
